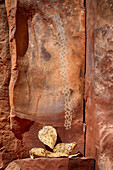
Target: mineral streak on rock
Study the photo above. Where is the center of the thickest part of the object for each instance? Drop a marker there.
(48, 136)
(64, 147)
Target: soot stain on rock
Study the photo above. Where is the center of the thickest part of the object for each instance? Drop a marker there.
(45, 54)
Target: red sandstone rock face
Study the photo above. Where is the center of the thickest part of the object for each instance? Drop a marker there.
(10, 147)
(36, 97)
(27, 91)
(99, 78)
(52, 163)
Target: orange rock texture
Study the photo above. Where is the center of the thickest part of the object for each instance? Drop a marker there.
(99, 83)
(31, 93)
(10, 147)
(36, 89)
(52, 163)
(31, 89)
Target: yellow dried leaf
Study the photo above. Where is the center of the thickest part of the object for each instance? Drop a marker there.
(64, 147)
(48, 136)
(75, 155)
(57, 155)
(37, 152)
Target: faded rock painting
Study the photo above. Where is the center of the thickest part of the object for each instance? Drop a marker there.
(36, 88)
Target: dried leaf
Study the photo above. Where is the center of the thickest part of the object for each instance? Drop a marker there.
(48, 136)
(64, 147)
(75, 155)
(37, 152)
(57, 155)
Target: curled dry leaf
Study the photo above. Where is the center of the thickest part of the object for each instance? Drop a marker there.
(76, 155)
(37, 152)
(57, 155)
(48, 136)
(64, 147)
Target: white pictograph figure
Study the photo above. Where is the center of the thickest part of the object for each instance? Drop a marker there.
(64, 72)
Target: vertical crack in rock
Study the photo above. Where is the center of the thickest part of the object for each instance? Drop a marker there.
(84, 3)
(84, 102)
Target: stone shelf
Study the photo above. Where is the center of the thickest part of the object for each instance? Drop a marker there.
(82, 163)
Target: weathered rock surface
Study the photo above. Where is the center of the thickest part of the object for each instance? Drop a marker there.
(36, 96)
(52, 163)
(10, 147)
(99, 82)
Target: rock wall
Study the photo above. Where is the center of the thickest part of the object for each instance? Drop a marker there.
(32, 96)
(99, 83)
(36, 89)
(10, 147)
(36, 96)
